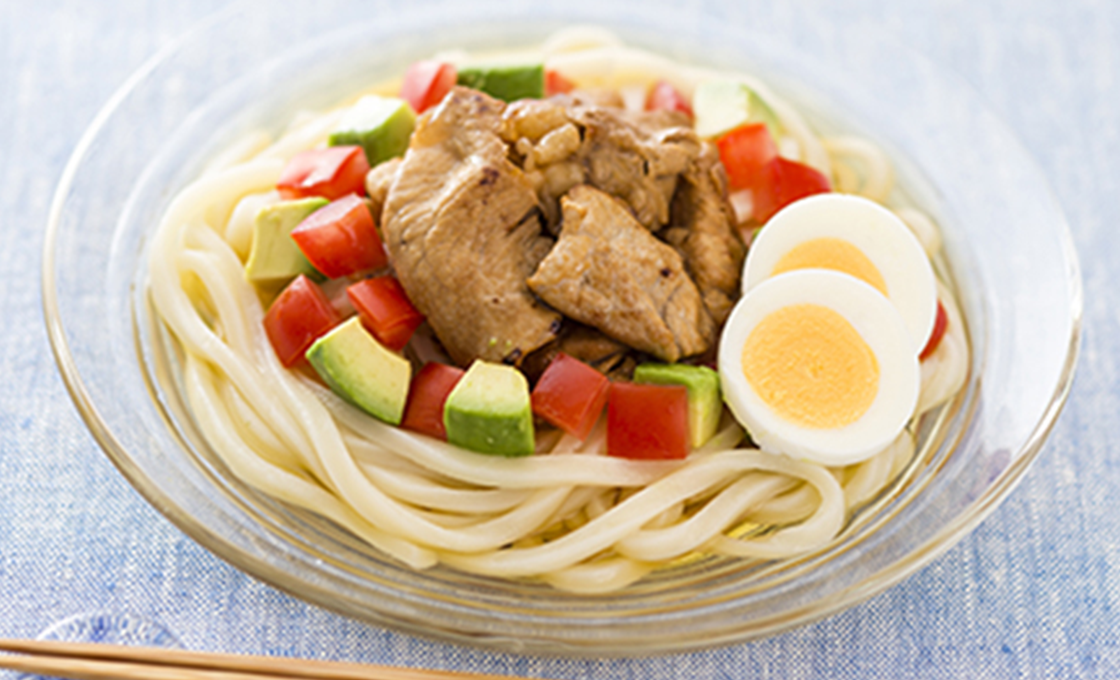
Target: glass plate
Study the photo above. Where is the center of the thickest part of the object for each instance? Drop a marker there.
(1006, 238)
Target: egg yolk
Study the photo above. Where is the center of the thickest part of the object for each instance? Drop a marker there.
(811, 367)
(832, 253)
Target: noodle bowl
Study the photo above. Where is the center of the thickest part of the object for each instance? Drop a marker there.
(570, 516)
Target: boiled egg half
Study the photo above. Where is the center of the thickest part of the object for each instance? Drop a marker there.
(858, 237)
(818, 365)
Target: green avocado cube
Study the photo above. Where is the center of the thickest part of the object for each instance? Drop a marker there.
(382, 126)
(508, 82)
(720, 106)
(362, 371)
(705, 406)
(489, 411)
(274, 256)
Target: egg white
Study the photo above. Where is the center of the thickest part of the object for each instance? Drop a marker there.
(875, 231)
(876, 321)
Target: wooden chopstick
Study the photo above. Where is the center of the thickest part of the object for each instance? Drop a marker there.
(87, 661)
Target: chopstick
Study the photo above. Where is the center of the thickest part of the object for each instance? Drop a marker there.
(86, 661)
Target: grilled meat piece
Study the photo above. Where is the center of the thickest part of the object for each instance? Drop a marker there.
(462, 227)
(378, 181)
(702, 229)
(608, 271)
(636, 157)
(606, 355)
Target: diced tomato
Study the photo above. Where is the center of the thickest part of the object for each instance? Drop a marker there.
(385, 310)
(784, 181)
(939, 326)
(340, 239)
(570, 395)
(665, 97)
(423, 412)
(745, 152)
(426, 83)
(331, 173)
(554, 83)
(297, 318)
(647, 421)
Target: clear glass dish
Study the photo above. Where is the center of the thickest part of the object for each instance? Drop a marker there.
(1006, 237)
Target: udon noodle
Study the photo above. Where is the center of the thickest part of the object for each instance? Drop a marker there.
(570, 516)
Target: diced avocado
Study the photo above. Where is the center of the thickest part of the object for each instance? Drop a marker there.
(380, 125)
(489, 411)
(508, 82)
(274, 255)
(362, 371)
(723, 105)
(704, 404)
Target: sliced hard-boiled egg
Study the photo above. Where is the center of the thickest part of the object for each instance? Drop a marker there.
(818, 365)
(856, 236)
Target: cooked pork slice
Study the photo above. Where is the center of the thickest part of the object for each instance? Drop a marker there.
(462, 229)
(566, 140)
(532, 119)
(636, 157)
(378, 181)
(608, 271)
(546, 144)
(596, 96)
(585, 343)
(702, 228)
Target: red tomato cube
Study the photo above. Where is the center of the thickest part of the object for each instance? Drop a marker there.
(426, 83)
(570, 395)
(423, 412)
(331, 173)
(297, 318)
(340, 238)
(665, 97)
(554, 83)
(647, 422)
(745, 152)
(385, 310)
(784, 181)
(940, 323)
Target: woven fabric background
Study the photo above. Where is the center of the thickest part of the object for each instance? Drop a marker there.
(1034, 592)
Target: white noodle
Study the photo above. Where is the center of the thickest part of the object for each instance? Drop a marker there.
(578, 39)
(294, 489)
(717, 515)
(599, 577)
(944, 371)
(239, 229)
(923, 228)
(630, 515)
(240, 151)
(869, 477)
(866, 169)
(425, 492)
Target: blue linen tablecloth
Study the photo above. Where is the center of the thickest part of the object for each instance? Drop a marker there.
(1033, 592)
